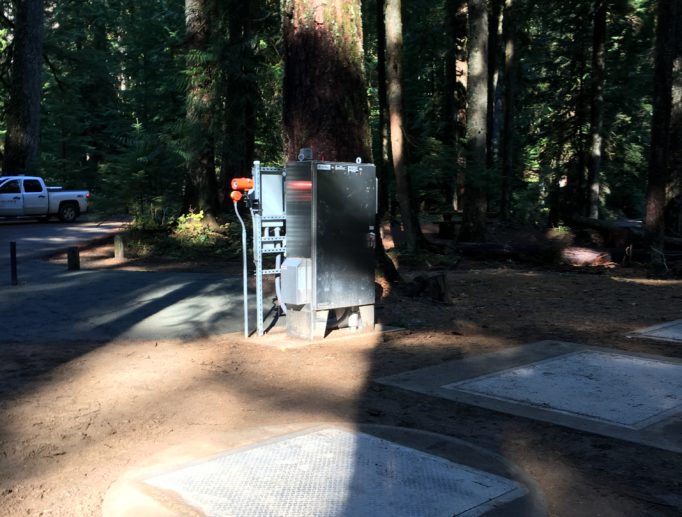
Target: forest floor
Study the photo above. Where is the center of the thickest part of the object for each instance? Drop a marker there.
(74, 417)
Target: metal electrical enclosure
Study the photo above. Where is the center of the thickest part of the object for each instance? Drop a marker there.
(330, 217)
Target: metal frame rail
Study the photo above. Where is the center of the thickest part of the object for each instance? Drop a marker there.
(268, 238)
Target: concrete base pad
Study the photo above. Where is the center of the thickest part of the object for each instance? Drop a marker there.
(629, 396)
(278, 337)
(671, 331)
(326, 470)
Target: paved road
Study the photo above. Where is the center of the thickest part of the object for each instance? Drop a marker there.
(53, 304)
(40, 239)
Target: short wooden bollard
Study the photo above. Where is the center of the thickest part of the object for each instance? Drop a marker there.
(73, 259)
(13, 262)
(119, 248)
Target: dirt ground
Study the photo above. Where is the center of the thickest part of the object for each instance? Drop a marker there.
(76, 417)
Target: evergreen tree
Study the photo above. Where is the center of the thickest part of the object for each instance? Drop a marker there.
(394, 42)
(23, 107)
(668, 15)
(201, 189)
(475, 200)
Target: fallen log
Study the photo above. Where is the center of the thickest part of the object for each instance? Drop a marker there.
(579, 256)
(544, 253)
(622, 233)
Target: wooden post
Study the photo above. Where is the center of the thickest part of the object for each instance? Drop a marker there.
(73, 259)
(13, 262)
(119, 248)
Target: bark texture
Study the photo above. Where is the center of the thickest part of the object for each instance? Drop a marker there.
(667, 13)
(475, 199)
(597, 107)
(509, 78)
(394, 42)
(493, 115)
(23, 110)
(673, 212)
(325, 98)
(201, 190)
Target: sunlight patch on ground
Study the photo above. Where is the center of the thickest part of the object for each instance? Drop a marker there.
(651, 282)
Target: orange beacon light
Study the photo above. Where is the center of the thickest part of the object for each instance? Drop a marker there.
(243, 184)
(236, 196)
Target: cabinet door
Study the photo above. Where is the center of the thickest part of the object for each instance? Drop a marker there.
(11, 200)
(35, 197)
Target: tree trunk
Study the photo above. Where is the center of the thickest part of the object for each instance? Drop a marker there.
(493, 116)
(201, 189)
(597, 107)
(574, 193)
(475, 199)
(385, 265)
(382, 157)
(325, 98)
(660, 127)
(509, 36)
(394, 42)
(23, 109)
(673, 213)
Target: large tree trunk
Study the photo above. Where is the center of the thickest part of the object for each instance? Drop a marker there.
(509, 36)
(597, 107)
(493, 116)
(325, 98)
(381, 154)
(384, 264)
(325, 102)
(23, 110)
(475, 199)
(673, 213)
(450, 132)
(201, 189)
(660, 127)
(394, 42)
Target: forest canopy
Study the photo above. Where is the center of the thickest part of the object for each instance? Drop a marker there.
(138, 100)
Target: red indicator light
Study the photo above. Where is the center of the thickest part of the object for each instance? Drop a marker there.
(300, 185)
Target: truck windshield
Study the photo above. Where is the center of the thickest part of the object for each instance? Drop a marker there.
(10, 187)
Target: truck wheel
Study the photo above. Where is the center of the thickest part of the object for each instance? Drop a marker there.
(68, 212)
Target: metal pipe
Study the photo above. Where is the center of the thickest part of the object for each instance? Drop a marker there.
(278, 292)
(245, 278)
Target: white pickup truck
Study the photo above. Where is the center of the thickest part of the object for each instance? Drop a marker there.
(27, 196)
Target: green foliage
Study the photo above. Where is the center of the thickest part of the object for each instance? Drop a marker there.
(156, 233)
(554, 101)
(115, 98)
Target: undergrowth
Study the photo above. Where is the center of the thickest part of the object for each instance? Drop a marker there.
(186, 237)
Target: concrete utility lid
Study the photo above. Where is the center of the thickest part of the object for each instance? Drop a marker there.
(607, 387)
(334, 472)
(628, 396)
(671, 331)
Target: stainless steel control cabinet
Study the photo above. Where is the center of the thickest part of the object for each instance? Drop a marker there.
(330, 218)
